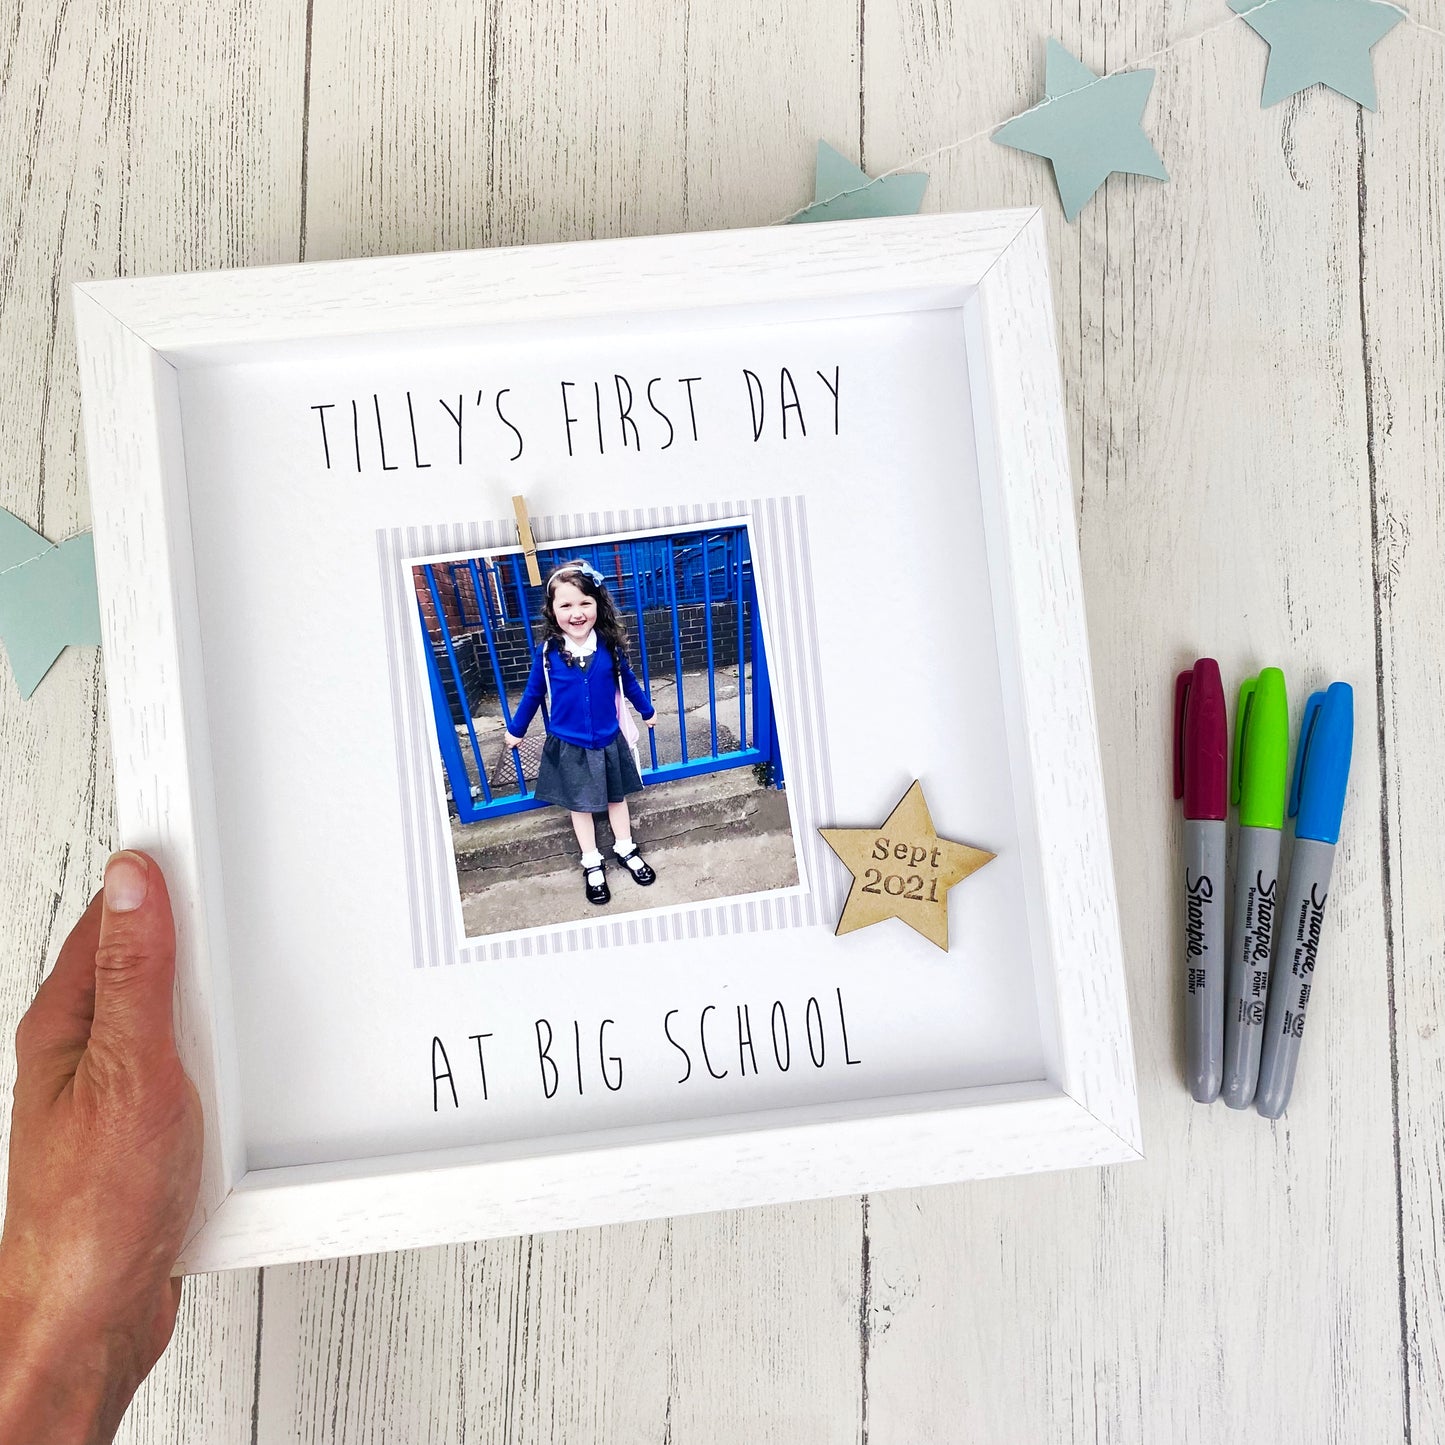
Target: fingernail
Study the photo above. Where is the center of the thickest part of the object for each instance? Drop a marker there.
(127, 878)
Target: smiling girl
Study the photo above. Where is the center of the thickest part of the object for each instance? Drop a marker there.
(587, 765)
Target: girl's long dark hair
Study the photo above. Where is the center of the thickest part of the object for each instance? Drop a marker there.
(609, 626)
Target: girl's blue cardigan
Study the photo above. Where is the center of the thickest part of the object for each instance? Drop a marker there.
(582, 708)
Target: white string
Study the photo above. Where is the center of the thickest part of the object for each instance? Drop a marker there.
(919, 160)
(45, 551)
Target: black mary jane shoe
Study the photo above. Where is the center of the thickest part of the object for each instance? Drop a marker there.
(596, 892)
(641, 873)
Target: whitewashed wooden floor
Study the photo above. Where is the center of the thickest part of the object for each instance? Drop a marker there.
(1254, 374)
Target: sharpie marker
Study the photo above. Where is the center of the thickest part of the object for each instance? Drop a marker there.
(1316, 802)
(1200, 779)
(1260, 778)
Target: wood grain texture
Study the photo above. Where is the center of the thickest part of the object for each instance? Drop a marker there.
(612, 1334)
(507, 123)
(1211, 336)
(1044, 626)
(812, 270)
(906, 834)
(1400, 174)
(1261, 339)
(134, 137)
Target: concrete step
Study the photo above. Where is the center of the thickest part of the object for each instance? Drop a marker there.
(662, 814)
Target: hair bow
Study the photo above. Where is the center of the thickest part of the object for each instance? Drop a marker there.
(585, 568)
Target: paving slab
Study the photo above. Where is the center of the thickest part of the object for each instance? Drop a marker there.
(706, 865)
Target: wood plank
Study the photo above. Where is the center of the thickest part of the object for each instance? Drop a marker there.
(1401, 178)
(1239, 1283)
(765, 1343)
(133, 138)
(458, 127)
(497, 1341)
(510, 125)
(204, 1387)
(600, 1334)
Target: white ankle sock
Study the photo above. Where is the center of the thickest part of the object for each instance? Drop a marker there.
(592, 859)
(623, 846)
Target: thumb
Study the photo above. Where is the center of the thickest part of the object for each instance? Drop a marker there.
(134, 959)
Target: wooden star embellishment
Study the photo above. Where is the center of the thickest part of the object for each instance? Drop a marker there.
(902, 869)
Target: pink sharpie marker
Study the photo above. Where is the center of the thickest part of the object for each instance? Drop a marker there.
(1201, 779)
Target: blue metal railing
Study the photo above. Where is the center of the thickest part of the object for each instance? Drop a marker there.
(480, 642)
(643, 572)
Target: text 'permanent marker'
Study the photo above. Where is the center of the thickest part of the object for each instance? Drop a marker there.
(1201, 774)
(1260, 777)
(1317, 803)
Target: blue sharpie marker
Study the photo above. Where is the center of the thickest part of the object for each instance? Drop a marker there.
(1317, 803)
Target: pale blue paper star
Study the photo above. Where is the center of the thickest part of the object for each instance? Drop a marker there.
(47, 599)
(843, 192)
(1087, 126)
(1319, 42)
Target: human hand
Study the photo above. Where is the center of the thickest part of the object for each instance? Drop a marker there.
(651, 721)
(510, 741)
(105, 1165)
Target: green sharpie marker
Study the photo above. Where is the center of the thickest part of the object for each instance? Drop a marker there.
(1260, 775)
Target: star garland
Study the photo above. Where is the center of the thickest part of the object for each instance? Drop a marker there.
(1088, 126)
(47, 599)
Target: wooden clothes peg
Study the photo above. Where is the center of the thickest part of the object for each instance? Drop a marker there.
(529, 543)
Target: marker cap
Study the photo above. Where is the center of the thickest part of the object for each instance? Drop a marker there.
(1201, 741)
(1322, 764)
(1261, 751)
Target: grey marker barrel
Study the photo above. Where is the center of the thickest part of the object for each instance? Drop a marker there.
(1251, 939)
(1300, 924)
(1204, 956)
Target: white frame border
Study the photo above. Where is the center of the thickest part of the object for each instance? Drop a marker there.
(130, 336)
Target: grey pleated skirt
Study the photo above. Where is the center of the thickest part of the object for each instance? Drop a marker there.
(585, 780)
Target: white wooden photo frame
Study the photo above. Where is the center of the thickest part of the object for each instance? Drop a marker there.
(268, 449)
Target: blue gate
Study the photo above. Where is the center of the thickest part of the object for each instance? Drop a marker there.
(689, 601)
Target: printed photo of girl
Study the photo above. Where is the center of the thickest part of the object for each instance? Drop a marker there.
(620, 705)
(589, 764)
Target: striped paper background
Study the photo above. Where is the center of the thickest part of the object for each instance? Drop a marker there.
(783, 569)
